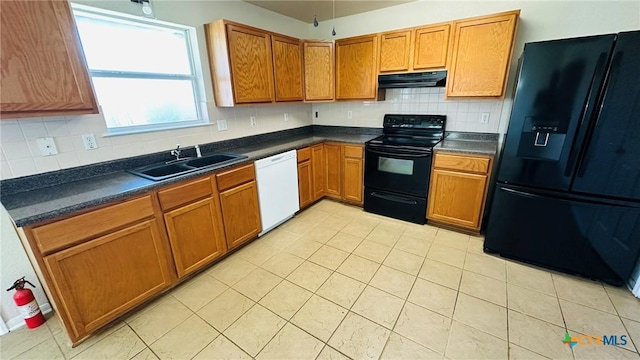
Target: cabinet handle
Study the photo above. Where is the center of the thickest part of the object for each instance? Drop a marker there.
(395, 198)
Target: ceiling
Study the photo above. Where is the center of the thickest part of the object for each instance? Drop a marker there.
(323, 9)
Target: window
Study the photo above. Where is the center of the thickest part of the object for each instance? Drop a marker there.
(143, 70)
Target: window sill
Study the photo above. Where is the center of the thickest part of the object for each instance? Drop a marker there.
(156, 129)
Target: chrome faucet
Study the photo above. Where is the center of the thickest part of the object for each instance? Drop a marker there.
(176, 152)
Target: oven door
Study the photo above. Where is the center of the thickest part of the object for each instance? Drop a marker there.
(397, 170)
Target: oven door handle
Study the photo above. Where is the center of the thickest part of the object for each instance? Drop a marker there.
(385, 153)
(394, 198)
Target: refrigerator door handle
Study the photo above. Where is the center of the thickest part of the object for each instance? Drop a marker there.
(613, 69)
(587, 113)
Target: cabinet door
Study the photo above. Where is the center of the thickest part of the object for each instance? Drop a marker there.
(195, 234)
(240, 213)
(44, 71)
(456, 198)
(287, 65)
(353, 181)
(319, 68)
(481, 55)
(251, 64)
(305, 183)
(333, 170)
(394, 51)
(431, 46)
(101, 279)
(318, 170)
(357, 67)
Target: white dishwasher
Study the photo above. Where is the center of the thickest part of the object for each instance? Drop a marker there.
(277, 178)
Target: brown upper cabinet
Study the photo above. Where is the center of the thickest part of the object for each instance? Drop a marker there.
(431, 44)
(395, 51)
(287, 63)
(253, 66)
(414, 49)
(319, 71)
(357, 68)
(481, 54)
(44, 72)
(241, 63)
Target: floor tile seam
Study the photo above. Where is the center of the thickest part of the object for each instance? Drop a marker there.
(404, 303)
(274, 335)
(57, 345)
(200, 308)
(345, 259)
(263, 296)
(421, 264)
(534, 317)
(616, 313)
(145, 348)
(529, 349)
(436, 260)
(271, 272)
(614, 307)
(168, 331)
(590, 307)
(506, 341)
(51, 335)
(635, 343)
(488, 276)
(477, 297)
(231, 341)
(340, 324)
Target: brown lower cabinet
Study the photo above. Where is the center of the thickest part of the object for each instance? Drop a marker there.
(102, 263)
(338, 166)
(305, 177)
(239, 202)
(194, 223)
(458, 188)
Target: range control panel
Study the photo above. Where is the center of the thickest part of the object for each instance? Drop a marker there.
(414, 121)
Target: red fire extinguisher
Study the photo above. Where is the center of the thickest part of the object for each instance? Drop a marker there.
(27, 304)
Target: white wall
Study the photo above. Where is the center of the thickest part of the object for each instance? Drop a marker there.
(20, 156)
(14, 265)
(539, 20)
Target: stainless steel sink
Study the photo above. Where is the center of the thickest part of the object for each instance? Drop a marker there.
(161, 171)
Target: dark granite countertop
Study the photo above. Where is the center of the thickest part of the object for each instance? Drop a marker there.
(469, 143)
(85, 187)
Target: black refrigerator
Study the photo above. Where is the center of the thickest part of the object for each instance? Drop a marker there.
(567, 193)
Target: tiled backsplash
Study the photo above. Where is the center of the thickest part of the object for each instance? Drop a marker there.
(462, 114)
(20, 155)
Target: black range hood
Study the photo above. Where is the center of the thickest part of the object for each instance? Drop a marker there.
(415, 80)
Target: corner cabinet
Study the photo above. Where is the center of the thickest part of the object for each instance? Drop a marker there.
(357, 68)
(194, 224)
(353, 170)
(458, 189)
(117, 254)
(44, 72)
(305, 177)
(319, 71)
(481, 55)
(253, 66)
(239, 202)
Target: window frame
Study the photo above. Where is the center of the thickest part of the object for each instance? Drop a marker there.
(195, 66)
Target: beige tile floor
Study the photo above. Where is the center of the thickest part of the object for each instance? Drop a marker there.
(338, 283)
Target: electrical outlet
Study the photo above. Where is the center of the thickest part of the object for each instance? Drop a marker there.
(253, 120)
(349, 114)
(222, 125)
(484, 118)
(286, 116)
(47, 146)
(89, 141)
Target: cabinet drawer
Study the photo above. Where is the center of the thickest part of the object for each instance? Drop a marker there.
(353, 151)
(235, 177)
(73, 230)
(184, 193)
(304, 154)
(462, 162)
